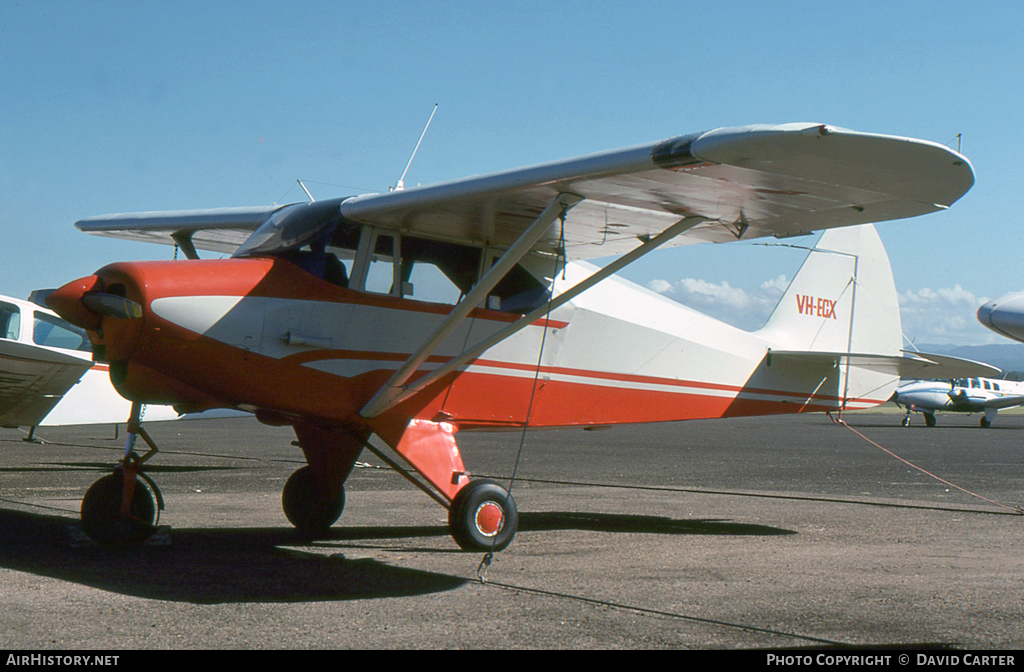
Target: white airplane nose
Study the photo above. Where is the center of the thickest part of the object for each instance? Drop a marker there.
(985, 314)
(1005, 316)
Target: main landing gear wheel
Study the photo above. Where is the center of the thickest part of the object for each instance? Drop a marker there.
(483, 517)
(101, 512)
(986, 423)
(310, 516)
(929, 420)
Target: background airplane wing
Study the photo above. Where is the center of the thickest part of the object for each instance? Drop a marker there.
(1003, 402)
(33, 380)
(744, 182)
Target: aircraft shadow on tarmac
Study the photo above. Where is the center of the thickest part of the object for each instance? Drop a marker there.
(611, 522)
(106, 467)
(213, 566)
(209, 566)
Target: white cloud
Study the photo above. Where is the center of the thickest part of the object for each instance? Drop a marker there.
(732, 305)
(660, 286)
(944, 316)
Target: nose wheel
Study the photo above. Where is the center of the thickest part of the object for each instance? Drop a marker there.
(120, 508)
(112, 517)
(483, 517)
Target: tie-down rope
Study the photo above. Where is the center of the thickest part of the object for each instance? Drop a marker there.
(485, 562)
(1014, 508)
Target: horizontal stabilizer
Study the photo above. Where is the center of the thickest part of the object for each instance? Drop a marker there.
(945, 367)
(908, 365)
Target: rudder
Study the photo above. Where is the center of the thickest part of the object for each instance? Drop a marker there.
(843, 298)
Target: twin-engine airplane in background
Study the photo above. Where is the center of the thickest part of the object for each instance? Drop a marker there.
(47, 376)
(320, 320)
(959, 395)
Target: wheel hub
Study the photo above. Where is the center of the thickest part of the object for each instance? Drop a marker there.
(489, 518)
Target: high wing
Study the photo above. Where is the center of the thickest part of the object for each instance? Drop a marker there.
(743, 182)
(33, 380)
(733, 183)
(216, 229)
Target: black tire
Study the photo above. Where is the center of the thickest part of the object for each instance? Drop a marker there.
(905, 422)
(929, 420)
(483, 517)
(302, 507)
(985, 423)
(101, 512)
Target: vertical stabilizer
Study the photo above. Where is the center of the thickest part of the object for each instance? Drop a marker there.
(843, 299)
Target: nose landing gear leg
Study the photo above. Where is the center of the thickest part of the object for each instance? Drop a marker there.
(119, 509)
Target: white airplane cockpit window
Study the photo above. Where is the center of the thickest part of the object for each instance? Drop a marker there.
(437, 271)
(423, 270)
(974, 384)
(10, 321)
(434, 271)
(518, 292)
(56, 333)
(381, 269)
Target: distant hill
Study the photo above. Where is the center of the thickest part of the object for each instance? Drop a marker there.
(1007, 356)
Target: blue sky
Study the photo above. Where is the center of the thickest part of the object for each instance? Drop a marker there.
(128, 106)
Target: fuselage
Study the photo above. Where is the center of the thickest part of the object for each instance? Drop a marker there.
(961, 395)
(263, 334)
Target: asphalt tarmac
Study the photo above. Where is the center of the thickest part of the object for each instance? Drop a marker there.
(755, 533)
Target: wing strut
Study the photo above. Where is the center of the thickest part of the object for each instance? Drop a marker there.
(378, 405)
(393, 391)
(183, 239)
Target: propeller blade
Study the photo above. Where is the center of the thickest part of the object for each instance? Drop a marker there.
(112, 305)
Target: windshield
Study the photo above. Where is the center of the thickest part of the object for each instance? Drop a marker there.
(292, 227)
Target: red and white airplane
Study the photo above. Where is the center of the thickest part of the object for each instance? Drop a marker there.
(47, 373)
(319, 319)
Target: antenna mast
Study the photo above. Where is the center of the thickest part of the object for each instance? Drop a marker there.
(401, 181)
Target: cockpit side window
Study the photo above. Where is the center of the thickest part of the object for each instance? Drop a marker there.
(10, 321)
(518, 292)
(437, 271)
(381, 277)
